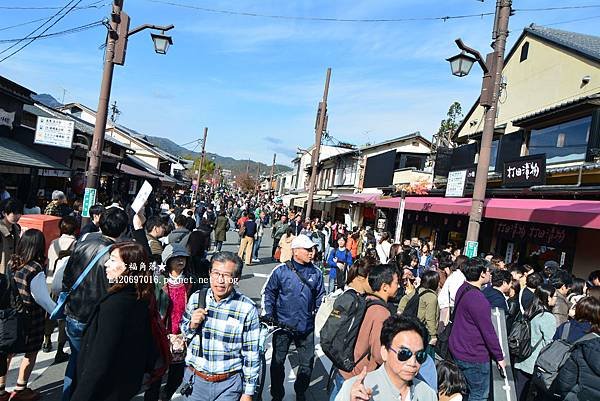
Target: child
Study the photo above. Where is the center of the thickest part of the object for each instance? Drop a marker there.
(451, 382)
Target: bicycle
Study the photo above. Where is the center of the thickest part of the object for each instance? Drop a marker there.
(268, 327)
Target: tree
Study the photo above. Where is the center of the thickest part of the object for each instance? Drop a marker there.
(208, 168)
(246, 182)
(449, 126)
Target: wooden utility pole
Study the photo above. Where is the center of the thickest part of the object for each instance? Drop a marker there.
(202, 156)
(271, 178)
(491, 85)
(321, 126)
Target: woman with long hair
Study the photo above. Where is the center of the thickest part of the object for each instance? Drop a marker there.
(543, 326)
(578, 378)
(118, 348)
(28, 272)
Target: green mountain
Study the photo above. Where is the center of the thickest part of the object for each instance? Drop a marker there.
(228, 163)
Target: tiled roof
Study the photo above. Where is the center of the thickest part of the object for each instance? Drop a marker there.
(587, 45)
(13, 152)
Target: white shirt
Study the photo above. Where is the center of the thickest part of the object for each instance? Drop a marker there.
(448, 292)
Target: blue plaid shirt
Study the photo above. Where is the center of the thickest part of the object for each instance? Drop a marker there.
(230, 336)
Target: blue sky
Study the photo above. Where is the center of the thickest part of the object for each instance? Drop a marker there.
(256, 82)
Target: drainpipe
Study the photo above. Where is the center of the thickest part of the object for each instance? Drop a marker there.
(559, 186)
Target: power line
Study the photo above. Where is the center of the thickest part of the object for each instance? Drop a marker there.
(573, 20)
(91, 5)
(22, 24)
(367, 20)
(39, 27)
(44, 31)
(60, 33)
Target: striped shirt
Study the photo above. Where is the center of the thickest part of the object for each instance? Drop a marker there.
(230, 335)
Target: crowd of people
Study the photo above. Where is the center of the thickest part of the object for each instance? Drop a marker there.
(148, 311)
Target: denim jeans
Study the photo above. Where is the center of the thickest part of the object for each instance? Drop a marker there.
(257, 242)
(478, 379)
(74, 330)
(331, 286)
(338, 381)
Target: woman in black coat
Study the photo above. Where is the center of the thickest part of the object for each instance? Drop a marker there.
(117, 348)
(579, 378)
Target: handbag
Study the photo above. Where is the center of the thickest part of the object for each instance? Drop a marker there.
(59, 310)
(277, 253)
(12, 321)
(177, 345)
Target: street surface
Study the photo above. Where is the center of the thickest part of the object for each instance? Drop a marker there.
(48, 378)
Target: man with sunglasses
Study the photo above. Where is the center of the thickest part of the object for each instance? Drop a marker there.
(292, 295)
(403, 341)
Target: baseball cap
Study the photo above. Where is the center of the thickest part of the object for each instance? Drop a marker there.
(302, 241)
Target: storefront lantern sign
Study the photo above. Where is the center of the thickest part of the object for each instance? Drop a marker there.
(526, 171)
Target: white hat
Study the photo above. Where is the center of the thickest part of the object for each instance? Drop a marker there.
(302, 241)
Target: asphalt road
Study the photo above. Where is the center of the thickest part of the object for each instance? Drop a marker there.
(48, 378)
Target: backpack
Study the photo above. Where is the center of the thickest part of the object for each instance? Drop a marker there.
(412, 306)
(443, 338)
(519, 339)
(340, 331)
(13, 317)
(551, 359)
(326, 308)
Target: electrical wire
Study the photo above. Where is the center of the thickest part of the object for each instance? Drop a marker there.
(573, 20)
(32, 39)
(39, 27)
(367, 20)
(60, 33)
(91, 5)
(22, 24)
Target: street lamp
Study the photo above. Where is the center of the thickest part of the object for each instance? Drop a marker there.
(116, 48)
(461, 64)
(490, 91)
(161, 42)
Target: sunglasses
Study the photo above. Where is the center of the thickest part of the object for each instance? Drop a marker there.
(404, 354)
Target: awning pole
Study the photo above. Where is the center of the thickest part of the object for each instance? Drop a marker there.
(400, 218)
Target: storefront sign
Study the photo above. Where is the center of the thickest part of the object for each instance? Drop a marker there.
(550, 235)
(54, 132)
(455, 188)
(525, 171)
(54, 173)
(7, 118)
(89, 200)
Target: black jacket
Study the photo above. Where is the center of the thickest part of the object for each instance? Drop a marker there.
(82, 301)
(116, 350)
(579, 378)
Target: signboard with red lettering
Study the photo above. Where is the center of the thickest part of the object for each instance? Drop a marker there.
(525, 171)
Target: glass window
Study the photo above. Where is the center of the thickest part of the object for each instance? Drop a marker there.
(563, 142)
(493, 155)
(345, 173)
(417, 162)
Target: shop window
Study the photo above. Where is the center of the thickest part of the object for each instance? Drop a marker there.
(564, 142)
(493, 155)
(524, 52)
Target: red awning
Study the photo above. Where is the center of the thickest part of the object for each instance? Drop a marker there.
(360, 198)
(575, 213)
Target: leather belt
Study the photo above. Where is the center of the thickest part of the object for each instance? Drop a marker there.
(213, 378)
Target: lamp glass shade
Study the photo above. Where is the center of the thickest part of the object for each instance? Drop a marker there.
(161, 43)
(461, 64)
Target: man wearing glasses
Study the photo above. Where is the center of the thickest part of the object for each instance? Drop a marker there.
(291, 296)
(403, 341)
(222, 355)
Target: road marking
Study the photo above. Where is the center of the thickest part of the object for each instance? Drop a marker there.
(261, 275)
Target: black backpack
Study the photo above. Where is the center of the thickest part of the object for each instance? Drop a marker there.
(519, 339)
(443, 338)
(13, 316)
(340, 332)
